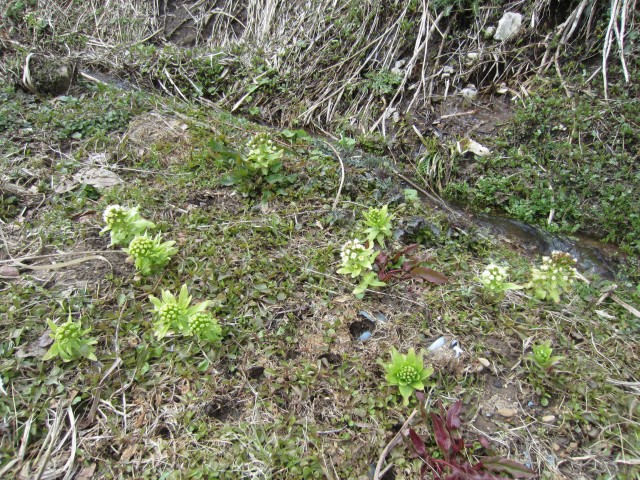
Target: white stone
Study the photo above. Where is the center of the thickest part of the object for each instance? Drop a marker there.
(470, 92)
(508, 26)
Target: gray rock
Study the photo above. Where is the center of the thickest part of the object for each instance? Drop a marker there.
(508, 26)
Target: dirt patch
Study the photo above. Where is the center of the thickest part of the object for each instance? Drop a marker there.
(460, 117)
(222, 408)
(154, 130)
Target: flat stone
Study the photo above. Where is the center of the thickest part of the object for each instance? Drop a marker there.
(507, 412)
(548, 418)
(484, 362)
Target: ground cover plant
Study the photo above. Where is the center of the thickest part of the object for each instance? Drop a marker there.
(212, 333)
(273, 378)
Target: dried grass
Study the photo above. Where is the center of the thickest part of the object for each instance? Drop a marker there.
(325, 48)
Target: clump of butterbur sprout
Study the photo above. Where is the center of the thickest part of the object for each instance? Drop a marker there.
(124, 224)
(177, 315)
(263, 156)
(357, 261)
(555, 275)
(494, 281)
(542, 356)
(150, 254)
(408, 372)
(70, 341)
(378, 223)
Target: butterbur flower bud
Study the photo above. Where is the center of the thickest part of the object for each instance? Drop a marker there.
(141, 247)
(205, 327)
(114, 214)
(68, 331)
(170, 313)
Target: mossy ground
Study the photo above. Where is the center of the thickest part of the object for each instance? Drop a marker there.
(567, 164)
(290, 393)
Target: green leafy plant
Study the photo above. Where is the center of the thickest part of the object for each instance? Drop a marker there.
(357, 261)
(124, 224)
(555, 275)
(407, 372)
(173, 314)
(150, 254)
(541, 356)
(378, 223)
(453, 460)
(205, 327)
(494, 280)
(260, 170)
(69, 342)
(541, 375)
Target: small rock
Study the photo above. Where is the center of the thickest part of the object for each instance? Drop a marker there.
(507, 412)
(9, 272)
(508, 26)
(468, 145)
(439, 343)
(469, 92)
(548, 418)
(484, 362)
(98, 178)
(556, 447)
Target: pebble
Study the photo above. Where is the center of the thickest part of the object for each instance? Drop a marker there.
(548, 418)
(507, 412)
(484, 362)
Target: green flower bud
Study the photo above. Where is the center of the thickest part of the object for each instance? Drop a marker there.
(205, 327)
(141, 247)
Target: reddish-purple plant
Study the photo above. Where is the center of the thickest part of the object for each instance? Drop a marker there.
(455, 463)
(405, 265)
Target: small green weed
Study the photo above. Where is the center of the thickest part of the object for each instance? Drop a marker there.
(555, 275)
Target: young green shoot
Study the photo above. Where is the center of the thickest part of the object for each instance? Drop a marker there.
(124, 224)
(541, 356)
(69, 342)
(407, 372)
(173, 314)
(150, 254)
(494, 280)
(378, 223)
(357, 261)
(205, 327)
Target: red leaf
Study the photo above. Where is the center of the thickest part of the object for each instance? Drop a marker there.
(515, 469)
(453, 416)
(443, 439)
(458, 445)
(418, 444)
(484, 441)
(429, 275)
(382, 259)
(405, 251)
